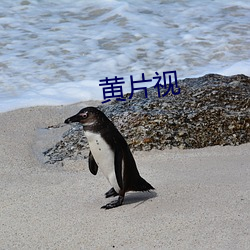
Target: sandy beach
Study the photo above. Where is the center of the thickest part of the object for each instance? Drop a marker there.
(201, 198)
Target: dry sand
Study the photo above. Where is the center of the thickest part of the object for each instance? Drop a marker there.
(201, 201)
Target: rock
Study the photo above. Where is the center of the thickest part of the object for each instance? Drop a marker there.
(210, 110)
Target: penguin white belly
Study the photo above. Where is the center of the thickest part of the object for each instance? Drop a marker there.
(104, 157)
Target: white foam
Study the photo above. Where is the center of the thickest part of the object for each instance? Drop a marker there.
(242, 67)
(55, 52)
(57, 94)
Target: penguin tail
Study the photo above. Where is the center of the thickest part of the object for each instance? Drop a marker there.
(141, 185)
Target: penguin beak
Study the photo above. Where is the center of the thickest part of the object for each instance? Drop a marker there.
(74, 118)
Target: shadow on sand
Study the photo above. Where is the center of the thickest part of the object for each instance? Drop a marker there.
(138, 198)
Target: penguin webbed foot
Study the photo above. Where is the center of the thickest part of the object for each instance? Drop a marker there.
(115, 203)
(111, 193)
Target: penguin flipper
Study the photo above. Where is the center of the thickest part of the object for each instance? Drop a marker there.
(93, 167)
(118, 166)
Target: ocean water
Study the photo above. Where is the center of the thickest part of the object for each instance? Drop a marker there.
(55, 52)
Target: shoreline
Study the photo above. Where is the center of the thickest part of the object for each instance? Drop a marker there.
(201, 197)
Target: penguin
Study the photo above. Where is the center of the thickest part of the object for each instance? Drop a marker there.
(110, 152)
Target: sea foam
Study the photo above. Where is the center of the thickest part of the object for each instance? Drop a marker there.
(55, 53)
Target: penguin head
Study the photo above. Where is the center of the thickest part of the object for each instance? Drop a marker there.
(88, 117)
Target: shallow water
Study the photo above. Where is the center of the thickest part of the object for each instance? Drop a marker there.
(56, 52)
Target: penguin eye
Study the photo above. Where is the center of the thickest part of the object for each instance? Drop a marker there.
(84, 115)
